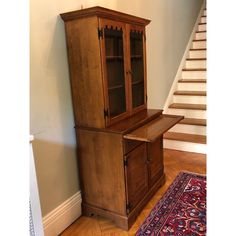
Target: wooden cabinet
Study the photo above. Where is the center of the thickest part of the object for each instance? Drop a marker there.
(136, 174)
(123, 59)
(143, 169)
(109, 57)
(120, 141)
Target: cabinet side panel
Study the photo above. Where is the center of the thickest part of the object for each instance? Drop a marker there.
(102, 170)
(85, 71)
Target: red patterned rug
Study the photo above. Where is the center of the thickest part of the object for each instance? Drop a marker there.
(181, 211)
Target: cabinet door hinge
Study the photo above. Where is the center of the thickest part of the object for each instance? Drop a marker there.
(125, 162)
(128, 207)
(105, 113)
(100, 33)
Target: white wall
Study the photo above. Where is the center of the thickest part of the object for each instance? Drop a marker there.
(51, 108)
(172, 24)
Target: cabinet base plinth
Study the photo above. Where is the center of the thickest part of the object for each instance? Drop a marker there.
(123, 221)
(120, 220)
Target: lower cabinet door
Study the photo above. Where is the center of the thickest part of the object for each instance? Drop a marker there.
(136, 175)
(155, 159)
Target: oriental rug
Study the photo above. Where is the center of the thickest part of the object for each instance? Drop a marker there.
(181, 211)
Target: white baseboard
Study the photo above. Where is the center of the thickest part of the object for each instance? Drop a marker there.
(64, 215)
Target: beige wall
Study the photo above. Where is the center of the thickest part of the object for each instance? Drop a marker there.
(168, 35)
(50, 99)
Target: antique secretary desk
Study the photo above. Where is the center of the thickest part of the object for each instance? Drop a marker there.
(120, 141)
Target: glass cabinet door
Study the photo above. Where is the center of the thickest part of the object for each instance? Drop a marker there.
(137, 68)
(114, 55)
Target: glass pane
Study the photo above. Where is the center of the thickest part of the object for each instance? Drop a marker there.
(115, 71)
(137, 68)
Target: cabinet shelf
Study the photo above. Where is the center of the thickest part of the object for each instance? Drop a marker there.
(116, 87)
(136, 56)
(154, 129)
(137, 82)
(114, 58)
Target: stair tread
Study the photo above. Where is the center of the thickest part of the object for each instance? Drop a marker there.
(188, 106)
(199, 40)
(197, 49)
(194, 69)
(192, 81)
(193, 121)
(196, 59)
(194, 93)
(200, 48)
(201, 31)
(193, 138)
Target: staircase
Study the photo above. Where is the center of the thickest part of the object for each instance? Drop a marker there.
(189, 98)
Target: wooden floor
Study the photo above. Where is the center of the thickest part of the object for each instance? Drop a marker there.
(175, 161)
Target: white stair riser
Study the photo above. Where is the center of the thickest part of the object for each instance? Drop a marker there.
(197, 54)
(201, 35)
(203, 20)
(189, 129)
(185, 146)
(202, 27)
(192, 86)
(201, 114)
(193, 74)
(205, 12)
(195, 64)
(190, 99)
(200, 44)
